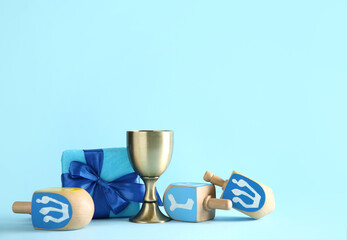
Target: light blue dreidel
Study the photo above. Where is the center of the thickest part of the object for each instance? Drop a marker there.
(58, 208)
(193, 202)
(248, 196)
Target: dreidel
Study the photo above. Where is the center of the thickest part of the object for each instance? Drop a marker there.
(58, 208)
(193, 202)
(247, 195)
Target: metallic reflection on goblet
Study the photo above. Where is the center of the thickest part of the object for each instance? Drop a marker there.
(150, 154)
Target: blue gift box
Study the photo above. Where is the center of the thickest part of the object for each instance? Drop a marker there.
(108, 176)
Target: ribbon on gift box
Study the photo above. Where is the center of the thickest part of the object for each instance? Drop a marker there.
(114, 195)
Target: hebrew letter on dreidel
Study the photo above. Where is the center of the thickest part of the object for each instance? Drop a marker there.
(197, 202)
(248, 196)
(58, 208)
(188, 205)
(45, 210)
(238, 192)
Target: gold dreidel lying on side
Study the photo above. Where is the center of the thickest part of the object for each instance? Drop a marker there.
(248, 196)
(193, 202)
(58, 208)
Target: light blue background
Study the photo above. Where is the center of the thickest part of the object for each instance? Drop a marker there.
(253, 86)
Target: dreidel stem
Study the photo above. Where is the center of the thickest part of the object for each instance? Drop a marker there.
(21, 207)
(214, 179)
(214, 203)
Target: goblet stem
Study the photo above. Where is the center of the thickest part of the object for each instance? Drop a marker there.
(150, 195)
(150, 212)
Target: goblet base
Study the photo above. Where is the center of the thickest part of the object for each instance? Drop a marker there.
(150, 213)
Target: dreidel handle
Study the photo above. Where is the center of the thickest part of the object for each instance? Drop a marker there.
(21, 207)
(215, 203)
(214, 179)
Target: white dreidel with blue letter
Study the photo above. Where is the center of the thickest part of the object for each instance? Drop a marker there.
(193, 202)
(58, 208)
(248, 196)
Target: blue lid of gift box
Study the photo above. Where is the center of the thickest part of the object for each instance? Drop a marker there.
(116, 162)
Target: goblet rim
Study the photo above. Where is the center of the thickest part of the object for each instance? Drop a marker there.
(134, 131)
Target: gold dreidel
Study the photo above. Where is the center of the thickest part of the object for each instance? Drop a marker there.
(150, 154)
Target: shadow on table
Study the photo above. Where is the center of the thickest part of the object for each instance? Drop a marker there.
(19, 225)
(233, 219)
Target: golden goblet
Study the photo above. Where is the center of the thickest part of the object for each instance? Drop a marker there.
(150, 154)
